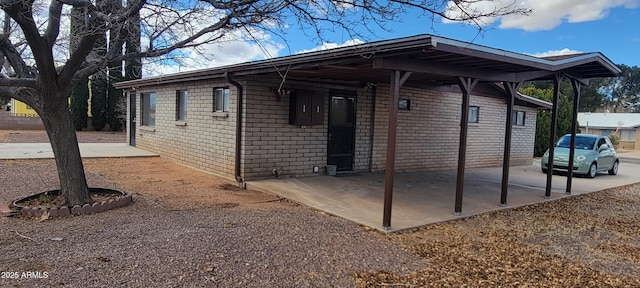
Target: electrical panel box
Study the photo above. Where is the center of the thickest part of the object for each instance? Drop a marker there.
(306, 108)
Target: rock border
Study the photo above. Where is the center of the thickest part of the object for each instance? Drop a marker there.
(63, 211)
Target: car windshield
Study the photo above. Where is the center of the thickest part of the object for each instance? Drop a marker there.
(582, 142)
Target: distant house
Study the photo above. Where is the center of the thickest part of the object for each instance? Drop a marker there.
(19, 117)
(624, 125)
(21, 109)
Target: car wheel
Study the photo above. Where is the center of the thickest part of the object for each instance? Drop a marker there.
(593, 170)
(614, 169)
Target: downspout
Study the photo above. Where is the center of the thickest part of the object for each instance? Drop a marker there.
(238, 125)
(372, 125)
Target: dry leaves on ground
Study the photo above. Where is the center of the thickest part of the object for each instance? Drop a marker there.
(585, 241)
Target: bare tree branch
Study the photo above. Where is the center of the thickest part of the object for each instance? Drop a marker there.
(18, 82)
(41, 49)
(55, 11)
(14, 58)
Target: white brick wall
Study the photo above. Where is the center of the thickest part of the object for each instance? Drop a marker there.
(272, 143)
(206, 142)
(427, 136)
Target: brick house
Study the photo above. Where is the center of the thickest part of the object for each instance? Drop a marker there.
(427, 134)
(415, 103)
(624, 125)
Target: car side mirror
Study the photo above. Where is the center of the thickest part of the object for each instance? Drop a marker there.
(603, 147)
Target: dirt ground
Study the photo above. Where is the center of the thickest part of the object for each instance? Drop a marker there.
(173, 186)
(590, 240)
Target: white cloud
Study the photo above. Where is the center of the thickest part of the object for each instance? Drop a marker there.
(565, 51)
(232, 49)
(325, 46)
(547, 14)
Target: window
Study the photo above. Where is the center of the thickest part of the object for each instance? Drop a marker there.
(149, 109)
(606, 132)
(181, 105)
(517, 118)
(474, 112)
(404, 104)
(628, 135)
(221, 100)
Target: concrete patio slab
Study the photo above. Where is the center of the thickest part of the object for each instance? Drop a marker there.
(422, 198)
(87, 150)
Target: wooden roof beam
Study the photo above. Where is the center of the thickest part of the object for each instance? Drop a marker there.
(457, 71)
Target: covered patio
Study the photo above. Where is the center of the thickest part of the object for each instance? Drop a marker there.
(431, 61)
(422, 198)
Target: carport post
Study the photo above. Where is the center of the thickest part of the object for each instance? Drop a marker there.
(557, 78)
(574, 120)
(396, 82)
(511, 88)
(466, 85)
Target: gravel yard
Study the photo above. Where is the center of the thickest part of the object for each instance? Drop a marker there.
(190, 229)
(184, 229)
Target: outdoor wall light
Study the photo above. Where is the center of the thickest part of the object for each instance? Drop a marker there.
(404, 104)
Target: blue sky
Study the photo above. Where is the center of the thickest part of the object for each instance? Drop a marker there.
(615, 31)
(555, 27)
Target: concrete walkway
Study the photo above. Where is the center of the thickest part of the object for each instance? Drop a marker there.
(422, 198)
(629, 156)
(87, 150)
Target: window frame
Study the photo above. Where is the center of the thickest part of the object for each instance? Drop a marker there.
(181, 112)
(145, 108)
(477, 113)
(225, 98)
(600, 142)
(404, 104)
(514, 118)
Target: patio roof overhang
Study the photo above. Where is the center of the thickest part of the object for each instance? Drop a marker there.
(434, 61)
(424, 61)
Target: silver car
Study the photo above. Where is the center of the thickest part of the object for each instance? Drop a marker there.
(593, 154)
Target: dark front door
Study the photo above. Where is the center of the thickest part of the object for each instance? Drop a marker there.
(132, 118)
(342, 124)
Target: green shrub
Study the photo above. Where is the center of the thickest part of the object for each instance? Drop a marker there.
(615, 140)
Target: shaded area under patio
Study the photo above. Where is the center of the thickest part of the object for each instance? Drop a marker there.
(422, 198)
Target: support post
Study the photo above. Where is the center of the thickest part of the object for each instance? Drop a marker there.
(557, 78)
(466, 85)
(574, 119)
(511, 88)
(132, 118)
(397, 80)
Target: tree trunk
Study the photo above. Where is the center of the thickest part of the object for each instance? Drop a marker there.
(62, 135)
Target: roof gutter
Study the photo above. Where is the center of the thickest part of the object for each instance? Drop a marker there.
(240, 90)
(526, 98)
(541, 103)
